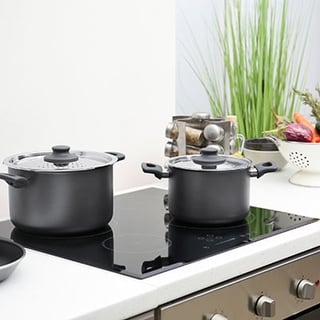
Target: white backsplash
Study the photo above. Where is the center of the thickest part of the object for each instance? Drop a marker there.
(93, 74)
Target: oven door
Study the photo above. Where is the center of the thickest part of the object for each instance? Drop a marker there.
(311, 314)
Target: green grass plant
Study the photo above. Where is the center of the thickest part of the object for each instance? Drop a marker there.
(262, 50)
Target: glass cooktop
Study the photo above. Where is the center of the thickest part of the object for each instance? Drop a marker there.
(142, 238)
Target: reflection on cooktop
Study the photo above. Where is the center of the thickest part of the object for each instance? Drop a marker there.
(143, 239)
(84, 249)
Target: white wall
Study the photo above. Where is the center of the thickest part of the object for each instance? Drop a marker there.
(93, 74)
(193, 19)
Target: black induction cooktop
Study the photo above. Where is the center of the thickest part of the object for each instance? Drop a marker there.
(143, 239)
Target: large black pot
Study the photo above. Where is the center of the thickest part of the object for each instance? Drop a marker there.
(209, 189)
(61, 192)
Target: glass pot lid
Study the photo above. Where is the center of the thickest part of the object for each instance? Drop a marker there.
(60, 159)
(209, 160)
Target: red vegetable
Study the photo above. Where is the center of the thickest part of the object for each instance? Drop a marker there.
(298, 132)
(302, 120)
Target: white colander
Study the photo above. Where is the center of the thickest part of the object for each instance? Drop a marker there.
(306, 157)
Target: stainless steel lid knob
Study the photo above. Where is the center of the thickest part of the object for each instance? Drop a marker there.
(306, 290)
(60, 156)
(209, 158)
(265, 307)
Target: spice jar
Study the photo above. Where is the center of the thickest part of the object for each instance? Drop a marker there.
(213, 133)
(172, 131)
(194, 137)
(171, 149)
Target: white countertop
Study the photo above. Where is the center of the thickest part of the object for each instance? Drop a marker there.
(273, 191)
(47, 287)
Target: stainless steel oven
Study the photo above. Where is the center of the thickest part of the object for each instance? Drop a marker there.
(286, 290)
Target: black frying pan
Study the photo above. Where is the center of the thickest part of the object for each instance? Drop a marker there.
(11, 254)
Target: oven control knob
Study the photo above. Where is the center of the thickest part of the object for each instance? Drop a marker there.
(215, 317)
(306, 290)
(265, 307)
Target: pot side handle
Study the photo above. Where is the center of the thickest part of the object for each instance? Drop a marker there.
(262, 168)
(13, 180)
(154, 169)
(119, 155)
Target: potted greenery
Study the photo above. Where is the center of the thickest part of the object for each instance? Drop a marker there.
(262, 62)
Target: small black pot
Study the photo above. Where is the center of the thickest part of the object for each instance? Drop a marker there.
(209, 189)
(61, 193)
